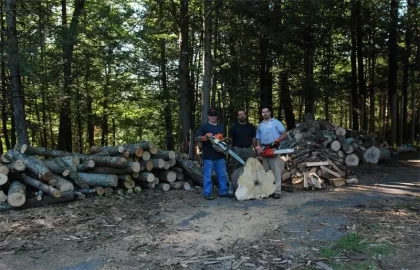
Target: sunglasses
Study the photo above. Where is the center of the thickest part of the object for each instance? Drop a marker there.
(213, 114)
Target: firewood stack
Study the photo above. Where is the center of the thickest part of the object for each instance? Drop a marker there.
(32, 176)
(323, 151)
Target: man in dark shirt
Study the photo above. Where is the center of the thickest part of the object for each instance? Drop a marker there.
(213, 160)
(242, 136)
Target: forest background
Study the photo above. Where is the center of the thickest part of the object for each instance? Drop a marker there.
(102, 72)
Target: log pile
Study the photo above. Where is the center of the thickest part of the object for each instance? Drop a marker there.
(324, 151)
(32, 176)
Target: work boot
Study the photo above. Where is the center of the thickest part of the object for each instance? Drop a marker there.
(208, 197)
(276, 196)
(227, 195)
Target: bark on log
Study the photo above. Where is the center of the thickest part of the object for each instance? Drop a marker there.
(165, 176)
(62, 184)
(113, 162)
(146, 177)
(343, 143)
(5, 207)
(4, 178)
(158, 163)
(191, 169)
(147, 165)
(134, 150)
(164, 154)
(254, 182)
(177, 169)
(126, 183)
(106, 150)
(103, 180)
(86, 166)
(16, 195)
(41, 186)
(71, 163)
(176, 185)
(163, 187)
(146, 185)
(56, 168)
(131, 167)
(147, 145)
(41, 151)
(34, 166)
(48, 200)
(97, 190)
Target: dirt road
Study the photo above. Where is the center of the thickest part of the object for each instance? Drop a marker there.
(181, 230)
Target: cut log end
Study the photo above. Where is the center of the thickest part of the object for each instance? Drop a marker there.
(3, 179)
(352, 160)
(17, 194)
(254, 182)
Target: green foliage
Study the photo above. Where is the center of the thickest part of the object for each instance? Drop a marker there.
(117, 62)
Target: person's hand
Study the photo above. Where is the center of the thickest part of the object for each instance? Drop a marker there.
(206, 137)
(219, 136)
(258, 149)
(276, 143)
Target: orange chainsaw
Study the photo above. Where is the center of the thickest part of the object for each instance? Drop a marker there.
(270, 151)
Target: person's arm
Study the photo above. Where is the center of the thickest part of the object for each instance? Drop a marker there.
(201, 135)
(253, 135)
(258, 141)
(230, 138)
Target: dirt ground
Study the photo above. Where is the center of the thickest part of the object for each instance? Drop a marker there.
(181, 230)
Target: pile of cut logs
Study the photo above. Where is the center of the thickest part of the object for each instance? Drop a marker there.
(323, 151)
(32, 176)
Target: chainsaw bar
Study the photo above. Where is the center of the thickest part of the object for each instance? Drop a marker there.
(225, 148)
(284, 151)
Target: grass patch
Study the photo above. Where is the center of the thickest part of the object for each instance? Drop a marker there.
(351, 244)
(413, 205)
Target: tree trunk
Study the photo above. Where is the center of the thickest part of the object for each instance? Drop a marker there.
(167, 112)
(354, 97)
(4, 94)
(185, 96)
(308, 63)
(393, 70)
(406, 63)
(15, 76)
(207, 60)
(362, 84)
(287, 101)
(106, 93)
(372, 86)
(65, 140)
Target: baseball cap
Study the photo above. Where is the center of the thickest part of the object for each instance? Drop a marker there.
(212, 112)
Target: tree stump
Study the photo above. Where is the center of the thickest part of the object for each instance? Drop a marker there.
(254, 182)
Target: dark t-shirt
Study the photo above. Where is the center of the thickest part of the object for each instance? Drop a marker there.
(242, 134)
(208, 150)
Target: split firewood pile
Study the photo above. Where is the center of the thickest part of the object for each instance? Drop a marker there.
(32, 176)
(324, 152)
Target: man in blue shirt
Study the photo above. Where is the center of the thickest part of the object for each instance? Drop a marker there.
(213, 160)
(271, 131)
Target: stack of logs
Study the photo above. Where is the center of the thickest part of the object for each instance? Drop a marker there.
(32, 176)
(323, 151)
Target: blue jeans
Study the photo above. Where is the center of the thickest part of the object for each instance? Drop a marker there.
(220, 167)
